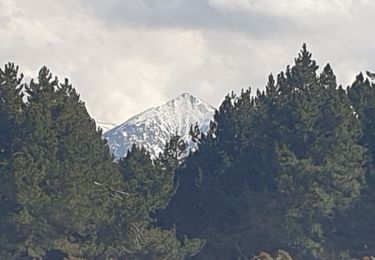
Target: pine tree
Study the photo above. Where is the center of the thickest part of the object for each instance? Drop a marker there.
(146, 179)
(355, 227)
(312, 132)
(67, 195)
(11, 114)
(320, 166)
(61, 170)
(275, 169)
(149, 185)
(362, 95)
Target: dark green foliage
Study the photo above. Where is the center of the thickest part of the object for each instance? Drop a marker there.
(321, 168)
(362, 96)
(274, 170)
(10, 109)
(356, 227)
(62, 193)
(149, 186)
(152, 180)
(144, 180)
(61, 160)
(319, 161)
(284, 169)
(11, 117)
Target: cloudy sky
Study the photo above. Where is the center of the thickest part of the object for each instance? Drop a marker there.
(124, 56)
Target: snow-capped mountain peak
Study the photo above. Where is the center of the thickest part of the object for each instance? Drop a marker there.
(155, 126)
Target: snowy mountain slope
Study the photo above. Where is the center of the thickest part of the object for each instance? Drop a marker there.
(154, 127)
(104, 125)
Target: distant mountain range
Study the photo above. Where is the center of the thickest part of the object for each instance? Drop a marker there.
(155, 126)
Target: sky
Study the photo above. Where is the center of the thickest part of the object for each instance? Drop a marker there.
(124, 56)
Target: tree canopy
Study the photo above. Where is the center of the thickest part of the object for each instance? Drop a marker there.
(287, 170)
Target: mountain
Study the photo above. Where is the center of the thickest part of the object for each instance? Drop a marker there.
(105, 126)
(155, 126)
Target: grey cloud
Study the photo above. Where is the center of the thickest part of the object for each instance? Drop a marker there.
(183, 14)
(125, 56)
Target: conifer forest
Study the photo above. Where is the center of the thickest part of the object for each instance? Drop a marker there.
(287, 172)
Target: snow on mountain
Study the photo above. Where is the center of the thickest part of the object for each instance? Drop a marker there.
(154, 127)
(104, 125)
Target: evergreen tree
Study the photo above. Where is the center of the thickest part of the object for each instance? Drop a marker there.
(60, 171)
(67, 196)
(149, 185)
(320, 160)
(280, 170)
(362, 96)
(355, 227)
(275, 168)
(11, 114)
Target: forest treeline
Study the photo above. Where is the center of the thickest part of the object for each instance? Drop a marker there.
(288, 169)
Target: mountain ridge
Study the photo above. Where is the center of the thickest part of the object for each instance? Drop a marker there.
(153, 127)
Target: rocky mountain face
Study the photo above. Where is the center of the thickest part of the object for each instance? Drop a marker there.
(154, 127)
